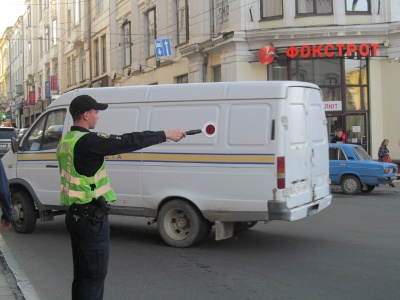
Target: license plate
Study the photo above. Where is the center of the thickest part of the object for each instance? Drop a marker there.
(299, 187)
(3, 146)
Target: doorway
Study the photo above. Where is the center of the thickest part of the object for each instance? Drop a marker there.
(354, 127)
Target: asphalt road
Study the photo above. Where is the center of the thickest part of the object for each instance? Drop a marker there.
(349, 251)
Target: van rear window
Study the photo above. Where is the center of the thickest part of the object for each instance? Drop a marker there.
(7, 133)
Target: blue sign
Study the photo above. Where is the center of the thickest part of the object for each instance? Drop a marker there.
(162, 47)
(47, 89)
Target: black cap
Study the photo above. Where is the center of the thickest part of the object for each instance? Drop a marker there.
(84, 103)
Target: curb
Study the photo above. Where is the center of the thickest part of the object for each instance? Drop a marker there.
(22, 280)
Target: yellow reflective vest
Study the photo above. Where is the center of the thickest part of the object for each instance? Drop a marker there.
(76, 188)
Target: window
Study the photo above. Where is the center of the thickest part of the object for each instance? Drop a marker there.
(96, 57)
(77, 12)
(152, 34)
(54, 31)
(47, 132)
(29, 52)
(47, 38)
(73, 73)
(99, 6)
(69, 23)
(68, 71)
(271, 9)
(104, 54)
(40, 9)
(182, 79)
(358, 6)
(313, 7)
(41, 47)
(83, 64)
(127, 43)
(217, 73)
(356, 84)
(29, 15)
(183, 21)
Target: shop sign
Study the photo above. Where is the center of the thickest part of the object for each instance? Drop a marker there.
(53, 84)
(32, 98)
(332, 105)
(331, 50)
(267, 55)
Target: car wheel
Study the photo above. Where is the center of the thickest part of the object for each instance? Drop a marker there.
(351, 185)
(24, 214)
(180, 224)
(368, 189)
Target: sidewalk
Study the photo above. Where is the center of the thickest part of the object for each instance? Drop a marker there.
(14, 284)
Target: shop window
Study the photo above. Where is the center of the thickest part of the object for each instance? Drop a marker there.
(278, 70)
(356, 98)
(356, 7)
(313, 7)
(182, 79)
(217, 73)
(271, 9)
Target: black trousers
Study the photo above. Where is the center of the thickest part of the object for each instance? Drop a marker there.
(90, 241)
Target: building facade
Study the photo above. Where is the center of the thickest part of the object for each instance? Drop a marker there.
(350, 48)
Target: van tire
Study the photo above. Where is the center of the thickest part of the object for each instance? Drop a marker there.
(24, 215)
(351, 185)
(180, 224)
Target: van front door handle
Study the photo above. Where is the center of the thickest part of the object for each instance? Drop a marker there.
(51, 166)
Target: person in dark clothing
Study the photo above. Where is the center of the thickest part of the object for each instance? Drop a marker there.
(338, 136)
(86, 189)
(383, 154)
(5, 200)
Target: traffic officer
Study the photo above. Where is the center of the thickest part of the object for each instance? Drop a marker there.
(5, 200)
(86, 189)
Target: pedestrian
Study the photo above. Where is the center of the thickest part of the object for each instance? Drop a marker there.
(5, 200)
(85, 188)
(384, 156)
(383, 152)
(338, 136)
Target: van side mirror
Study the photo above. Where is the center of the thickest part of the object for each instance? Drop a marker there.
(14, 145)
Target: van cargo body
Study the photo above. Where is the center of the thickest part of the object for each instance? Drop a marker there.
(267, 158)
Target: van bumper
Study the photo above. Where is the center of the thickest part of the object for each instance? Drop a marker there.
(277, 210)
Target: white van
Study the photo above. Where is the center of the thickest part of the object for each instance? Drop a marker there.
(262, 155)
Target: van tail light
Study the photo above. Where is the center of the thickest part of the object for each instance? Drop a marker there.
(281, 172)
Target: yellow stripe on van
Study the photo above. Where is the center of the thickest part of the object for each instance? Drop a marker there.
(170, 157)
(37, 156)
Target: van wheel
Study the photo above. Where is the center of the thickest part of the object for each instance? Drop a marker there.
(351, 185)
(180, 224)
(369, 188)
(241, 226)
(24, 215)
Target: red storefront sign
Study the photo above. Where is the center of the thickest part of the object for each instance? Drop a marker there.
(53, 84)
(331, 50)
(32, 98)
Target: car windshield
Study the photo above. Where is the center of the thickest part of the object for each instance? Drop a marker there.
(361, 154)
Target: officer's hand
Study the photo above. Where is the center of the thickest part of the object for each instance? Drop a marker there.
(175, 134)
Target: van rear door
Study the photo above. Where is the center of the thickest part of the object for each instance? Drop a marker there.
(306, 147)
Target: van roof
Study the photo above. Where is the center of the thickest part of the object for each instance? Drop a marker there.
(188, 91)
